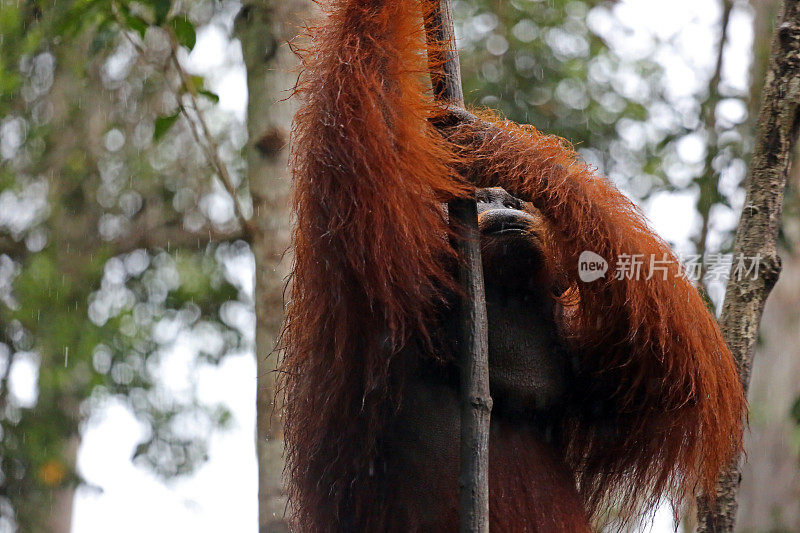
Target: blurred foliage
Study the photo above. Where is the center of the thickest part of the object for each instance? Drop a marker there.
(575, 69)
(114, 236)
(114, 241)
(541, 63)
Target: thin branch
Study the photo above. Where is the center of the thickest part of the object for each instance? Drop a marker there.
(121, 22)
(207, 143)
(756, 235)
(210, 145)
(709, 181)
(172, 236)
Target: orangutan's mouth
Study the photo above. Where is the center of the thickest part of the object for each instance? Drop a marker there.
(501, 227)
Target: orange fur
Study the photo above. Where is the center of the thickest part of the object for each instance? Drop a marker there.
(370, 270)
(676, 389)
(369, 175)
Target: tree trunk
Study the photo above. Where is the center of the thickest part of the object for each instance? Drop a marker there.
(756, 235)
(59, 516)
(771, 474)
(264, 28)
(764, 14)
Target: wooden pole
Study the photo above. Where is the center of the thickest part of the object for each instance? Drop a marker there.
(473, 344)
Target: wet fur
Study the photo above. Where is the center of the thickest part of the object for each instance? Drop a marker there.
(660, 409)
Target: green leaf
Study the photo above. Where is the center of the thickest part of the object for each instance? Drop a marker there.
(184, 31)
(214, 97)
(137, 24)
(102, 39)
(161, 10)
(196, 82)
(83, 13)
(163, 124)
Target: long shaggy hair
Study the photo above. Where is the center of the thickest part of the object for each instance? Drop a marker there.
(371, 267)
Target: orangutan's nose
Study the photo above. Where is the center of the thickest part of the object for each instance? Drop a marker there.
(499, 221)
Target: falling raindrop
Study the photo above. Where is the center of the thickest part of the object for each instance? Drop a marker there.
(66, 356)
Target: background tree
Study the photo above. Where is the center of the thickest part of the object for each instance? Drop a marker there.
(120, 242)
(265, 27)
(771, 473)
(114, 241)
(658, 141)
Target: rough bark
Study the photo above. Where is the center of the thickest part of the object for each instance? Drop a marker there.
(476, 403)
(264, 28)
(765, 13)
(771, 474)
(778, 124)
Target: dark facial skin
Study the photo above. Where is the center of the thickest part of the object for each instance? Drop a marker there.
(529, 368)
(511, 246)
(526, 358)
(500, 212)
